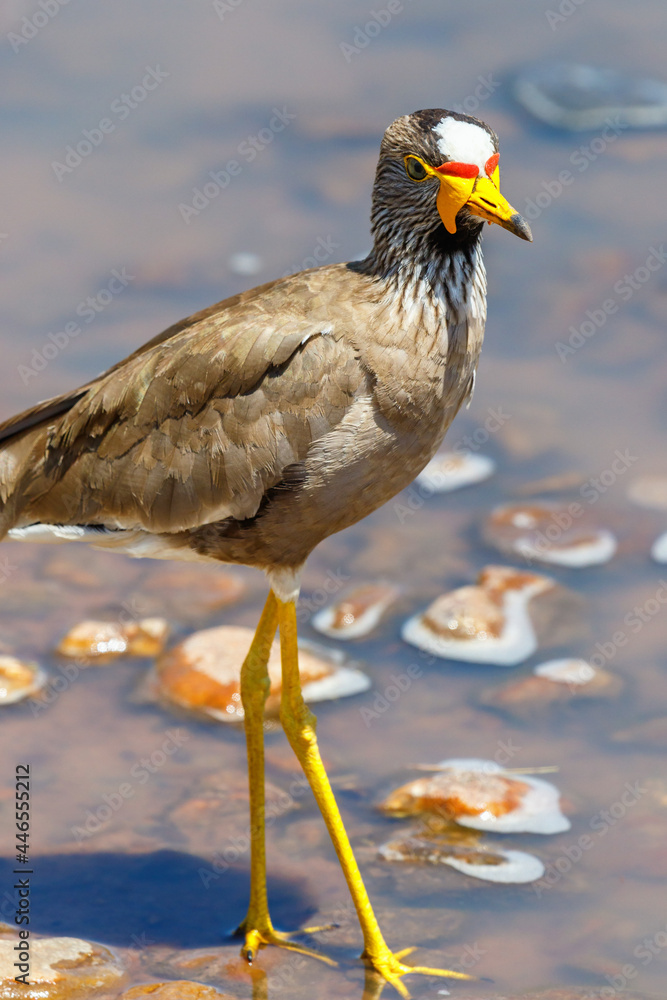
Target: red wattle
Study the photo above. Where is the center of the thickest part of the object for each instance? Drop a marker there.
(491, 164)
(458, 169)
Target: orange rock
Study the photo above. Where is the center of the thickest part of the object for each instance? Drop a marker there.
(176, 990)
(465, 613)
(19, 680)
(478, 794)
(356, 613)
(204, 671)
(522, 697)
(548, 532)
(96, 639)
(454, 795)
(479, 861)
(60, 968)
(484, 623)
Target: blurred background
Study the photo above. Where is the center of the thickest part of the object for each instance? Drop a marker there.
(159, 156)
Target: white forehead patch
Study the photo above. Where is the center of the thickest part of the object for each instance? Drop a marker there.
(464, 142)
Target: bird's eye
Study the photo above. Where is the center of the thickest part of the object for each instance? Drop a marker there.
(415, 169)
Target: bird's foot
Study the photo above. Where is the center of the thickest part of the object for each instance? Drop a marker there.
(263, 934)
(388, 965)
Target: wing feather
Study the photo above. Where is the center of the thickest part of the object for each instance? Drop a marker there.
(194, 427)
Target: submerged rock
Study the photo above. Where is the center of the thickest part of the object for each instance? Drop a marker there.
(60, 968)
(579, 97)
(187, 592)
(549, 533)
(203, 673)
(94, 640)
(485, 623)
(652, 733)
(577, 673)
(19, 680)
(357, 613)
(176, 990)
(649, 491)
(479, 794)
(451, 471)
(489, 864)
(554, 682)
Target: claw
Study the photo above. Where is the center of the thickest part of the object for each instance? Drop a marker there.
(256, 939)
(388, 967)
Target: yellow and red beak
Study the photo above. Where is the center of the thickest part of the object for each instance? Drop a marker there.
(462, 184)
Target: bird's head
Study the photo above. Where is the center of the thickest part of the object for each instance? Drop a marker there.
(439, 166)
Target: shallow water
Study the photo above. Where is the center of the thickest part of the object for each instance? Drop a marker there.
(136, 882)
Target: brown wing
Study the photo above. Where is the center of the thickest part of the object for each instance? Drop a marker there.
(195, 426)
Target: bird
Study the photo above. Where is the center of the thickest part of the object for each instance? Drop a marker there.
(252, 430)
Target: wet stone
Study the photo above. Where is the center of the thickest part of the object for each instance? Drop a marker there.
(556, 682)
(652, 733)
(649, 491)
(216, 810)
(551, 533)
(573, 672)
(579, 97)
(479, 794)
(176, 990)
(485, 623)
(451, 471)
(485, 863)
(357, 613)
(106, 640)
(203, 673)
(60, 969)
(19, 680)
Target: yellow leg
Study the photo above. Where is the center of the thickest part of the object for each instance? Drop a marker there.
(257, 926)
(299, 725)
